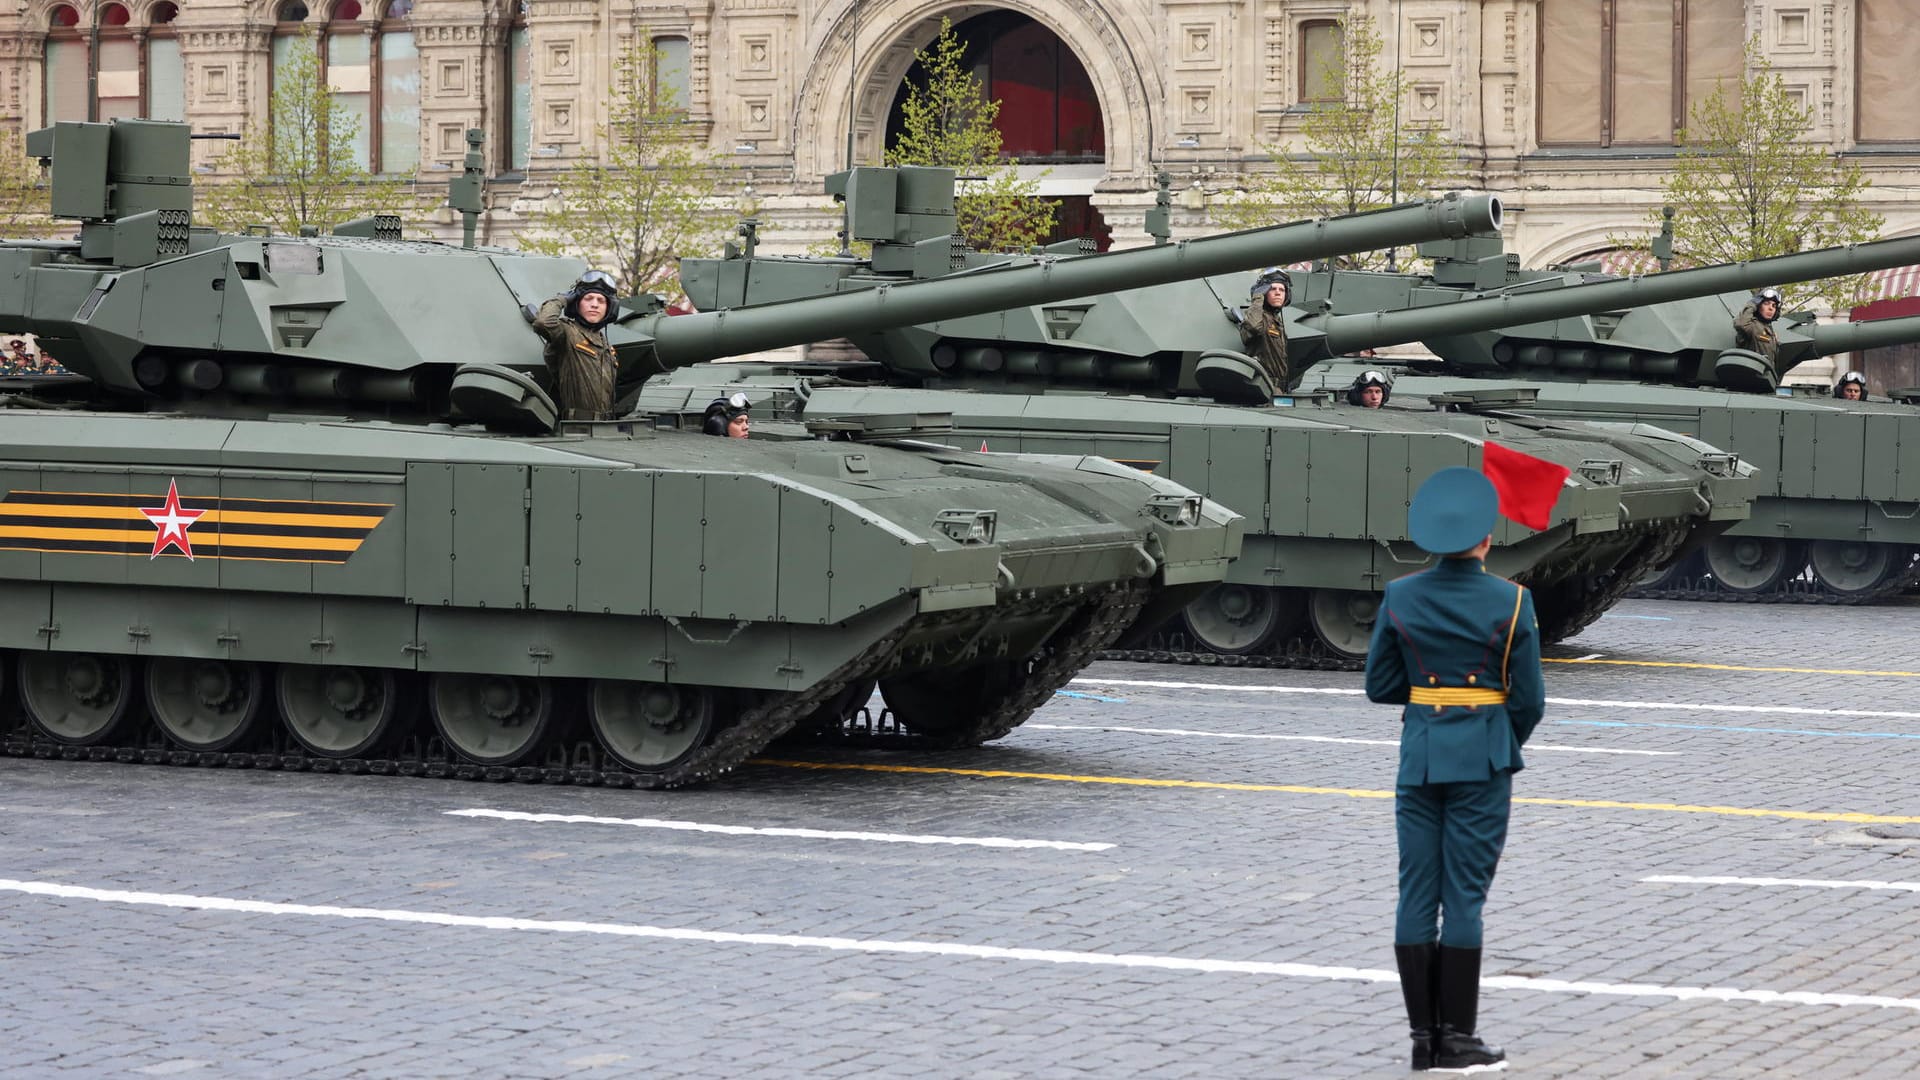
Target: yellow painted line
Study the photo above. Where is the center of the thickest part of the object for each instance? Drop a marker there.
(258, 517)
(1352, 793)
(119, 536)
(1739, 667)
(33, 509)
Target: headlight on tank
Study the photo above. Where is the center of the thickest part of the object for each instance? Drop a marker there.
(1720, 464)
(1175, 509)
(967, 526)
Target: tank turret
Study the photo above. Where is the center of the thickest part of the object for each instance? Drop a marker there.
(152, 308)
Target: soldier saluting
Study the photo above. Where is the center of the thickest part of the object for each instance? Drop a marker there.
(1458, 647)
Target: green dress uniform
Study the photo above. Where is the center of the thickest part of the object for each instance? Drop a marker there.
(1458, 648)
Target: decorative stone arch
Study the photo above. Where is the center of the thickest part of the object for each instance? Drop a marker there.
(1128, 103)
(1567, 246)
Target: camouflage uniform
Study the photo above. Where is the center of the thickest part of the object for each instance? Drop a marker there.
(582, 363)
(1754, 334)
(1264, 333)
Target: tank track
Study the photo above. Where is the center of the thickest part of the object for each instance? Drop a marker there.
(1301, 653)
(1557, 626)
(580, 762)
(1795, 590)
(1083, 640)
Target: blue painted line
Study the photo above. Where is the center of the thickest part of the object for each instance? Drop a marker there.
(1089, 697)
(1649, 618)
(1751, 730)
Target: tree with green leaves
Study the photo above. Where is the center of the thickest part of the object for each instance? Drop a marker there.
(948, 121)
(1746, 186)
(298, 168)
(652, 196)
(23, 191)
(1356, 153)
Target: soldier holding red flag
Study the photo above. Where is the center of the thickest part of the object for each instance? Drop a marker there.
(1458, 648)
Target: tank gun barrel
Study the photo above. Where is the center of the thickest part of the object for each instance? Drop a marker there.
(690, 339)
(1830, 338)
(1345, 334)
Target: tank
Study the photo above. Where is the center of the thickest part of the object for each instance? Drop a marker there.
(1153, 377)
(1835, 516)
(307, 506)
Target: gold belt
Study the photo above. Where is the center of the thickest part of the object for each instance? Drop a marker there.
(1455, 695)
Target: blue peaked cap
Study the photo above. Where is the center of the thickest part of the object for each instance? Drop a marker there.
(1454, 510)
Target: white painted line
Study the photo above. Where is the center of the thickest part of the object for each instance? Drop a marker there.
(1792, 883)
(1592, 656)
(805, 834)
(934, 948)
(1598, 703)
(1314, 738)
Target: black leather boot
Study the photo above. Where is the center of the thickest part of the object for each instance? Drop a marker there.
(1416, 986)
(1454, 1044)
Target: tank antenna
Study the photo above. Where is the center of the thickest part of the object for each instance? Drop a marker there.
(853, 71)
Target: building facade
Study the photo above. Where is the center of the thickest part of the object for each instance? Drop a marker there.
(1565, 107)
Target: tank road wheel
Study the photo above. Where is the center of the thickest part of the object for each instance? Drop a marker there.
(80, 699)
(203, 705)
(1235, 620)
(1753, 564)
(1852, 569)
(491, 719)
(338, 712)
(649, 726)
(1343, 620)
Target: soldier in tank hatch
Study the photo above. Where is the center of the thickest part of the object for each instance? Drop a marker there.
(1851, 387)
(1458, 648)
(583, 364)
(1370, 390)
(1753, 327)
(728, 417)
(1263, 328)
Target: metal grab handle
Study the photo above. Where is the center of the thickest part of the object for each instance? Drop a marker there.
(1423, 560)
(1706, 504)
(738, 625)
(1882, 507)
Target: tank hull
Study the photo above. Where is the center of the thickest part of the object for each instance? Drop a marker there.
(659, 605)
(1324, 490)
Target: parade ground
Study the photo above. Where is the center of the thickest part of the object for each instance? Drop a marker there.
(1713, 870)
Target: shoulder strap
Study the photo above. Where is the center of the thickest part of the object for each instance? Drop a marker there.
(1519, 592)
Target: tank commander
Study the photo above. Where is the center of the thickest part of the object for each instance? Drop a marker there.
(1263, 329)
(1753, 327)
(1851, 387)
(727, 417)
(1370, 389)
(583, 364)
(1458, 647)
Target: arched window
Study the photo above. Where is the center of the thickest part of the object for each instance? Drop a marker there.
(1323, 61)
(289, 20)
(396, 94)
(66, 68)
(372, 67)
(166, 75)
(348, 59)
(516, 134)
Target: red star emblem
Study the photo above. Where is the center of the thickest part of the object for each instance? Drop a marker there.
(173, 522)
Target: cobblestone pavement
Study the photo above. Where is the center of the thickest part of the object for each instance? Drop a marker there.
(1239, 926)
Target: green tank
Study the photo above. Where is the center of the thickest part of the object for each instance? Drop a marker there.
(308, 507)
(1836, 517)
(1153, 377)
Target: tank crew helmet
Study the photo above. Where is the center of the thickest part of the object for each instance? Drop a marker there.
(721, 411)
(1857, 378)
(1370, 377)
(1765, 295)
(1272, 275)
(1453, 511)
(597, 281)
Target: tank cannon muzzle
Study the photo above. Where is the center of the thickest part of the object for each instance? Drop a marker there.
(690, 339)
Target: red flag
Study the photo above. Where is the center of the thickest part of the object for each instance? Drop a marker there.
(1528, 486)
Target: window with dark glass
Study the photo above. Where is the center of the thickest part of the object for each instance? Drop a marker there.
(1627, 72)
